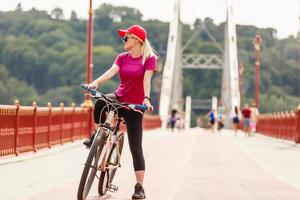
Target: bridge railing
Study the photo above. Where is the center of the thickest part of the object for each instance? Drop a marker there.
(283, 125)
(29, 128)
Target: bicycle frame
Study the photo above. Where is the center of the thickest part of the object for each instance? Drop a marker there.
(105, 152)
(112, 138)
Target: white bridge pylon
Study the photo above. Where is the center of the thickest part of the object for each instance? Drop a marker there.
(176, 60)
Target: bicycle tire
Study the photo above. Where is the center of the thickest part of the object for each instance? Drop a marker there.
(88, 177)
(107, 176)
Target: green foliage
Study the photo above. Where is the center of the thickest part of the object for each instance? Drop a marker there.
(12, 89)
(62, 94)
(106, 15)
(43, 56)
(57, 13)
(277, 103)
(104, 57)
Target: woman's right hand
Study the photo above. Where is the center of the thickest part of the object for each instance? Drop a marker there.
(93, 84)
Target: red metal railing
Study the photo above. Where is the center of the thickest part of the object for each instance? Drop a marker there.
(151, 122)
(284, 125)
(29, 128)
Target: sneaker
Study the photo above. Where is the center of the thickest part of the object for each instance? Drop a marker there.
(139, 192)
(88, 143)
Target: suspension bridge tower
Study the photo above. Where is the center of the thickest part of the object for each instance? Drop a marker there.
(176, 60)
(171, 89)
(230, 83)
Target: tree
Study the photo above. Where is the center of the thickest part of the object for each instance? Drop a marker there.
(73, 16)
(103, 21)
(106, 14)
(103, 58)
(19, 7)
(12, 89)
(57, 13)
(56, 96)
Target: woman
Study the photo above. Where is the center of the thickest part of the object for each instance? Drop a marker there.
(135, 67)
(235, 119)
(173, 118)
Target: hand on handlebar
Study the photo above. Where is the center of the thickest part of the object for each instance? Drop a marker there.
(148, 104)
(137, 107)
(93, 84)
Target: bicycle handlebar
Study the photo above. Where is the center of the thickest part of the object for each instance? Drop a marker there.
(97, 94)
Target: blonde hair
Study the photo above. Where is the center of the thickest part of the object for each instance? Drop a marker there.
(147, 50)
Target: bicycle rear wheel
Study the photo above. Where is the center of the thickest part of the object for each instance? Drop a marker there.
(91, 166)
(107, 176)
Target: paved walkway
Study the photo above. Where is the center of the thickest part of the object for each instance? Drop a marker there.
(189, 165)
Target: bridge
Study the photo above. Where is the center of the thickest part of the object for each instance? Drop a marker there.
(42, 156)
(194, 164)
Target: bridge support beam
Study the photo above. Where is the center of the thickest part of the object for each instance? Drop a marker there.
(230, 82)
(188, 110)
(171, 89)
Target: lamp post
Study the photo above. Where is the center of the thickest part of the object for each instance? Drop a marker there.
(89, 64)
(257, 43)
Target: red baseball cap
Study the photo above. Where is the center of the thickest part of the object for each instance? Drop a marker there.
(136, 30)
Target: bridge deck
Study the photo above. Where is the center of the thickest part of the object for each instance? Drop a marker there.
(182, 165)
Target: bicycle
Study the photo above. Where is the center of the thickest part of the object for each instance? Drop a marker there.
(106, 149)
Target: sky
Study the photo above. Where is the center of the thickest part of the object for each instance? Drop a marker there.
(283, 15)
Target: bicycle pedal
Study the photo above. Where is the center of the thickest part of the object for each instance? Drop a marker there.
(113, 188)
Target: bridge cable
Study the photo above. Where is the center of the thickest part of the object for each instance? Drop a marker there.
(199, 28)
(195, 14)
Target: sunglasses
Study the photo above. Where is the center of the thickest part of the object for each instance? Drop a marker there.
(125, 39)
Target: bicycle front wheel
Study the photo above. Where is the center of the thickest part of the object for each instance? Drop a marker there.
(107, 176)
(91, 166)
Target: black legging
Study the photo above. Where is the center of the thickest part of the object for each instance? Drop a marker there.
(134, 121)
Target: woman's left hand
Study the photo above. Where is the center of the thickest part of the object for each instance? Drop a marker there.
(148, 104)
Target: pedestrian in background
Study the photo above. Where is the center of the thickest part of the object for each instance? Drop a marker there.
(212, 119)
(235, 116)
(173, 118)
(246, 112)
(254, 116)
(221, 116)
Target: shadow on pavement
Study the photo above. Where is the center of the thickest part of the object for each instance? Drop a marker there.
(106, 197)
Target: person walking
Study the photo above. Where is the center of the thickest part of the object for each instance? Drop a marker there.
(235, 116)
(254, 116)
(212, 120)
(246, 112)
(221, 116)
(173, 118)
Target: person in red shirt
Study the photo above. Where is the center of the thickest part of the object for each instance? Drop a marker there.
(246, 112)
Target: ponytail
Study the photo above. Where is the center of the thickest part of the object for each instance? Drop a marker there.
(147, 51)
